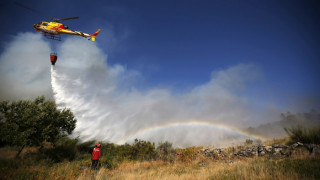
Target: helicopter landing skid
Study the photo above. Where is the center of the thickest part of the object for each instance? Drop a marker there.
(56, 37)
(53, 37)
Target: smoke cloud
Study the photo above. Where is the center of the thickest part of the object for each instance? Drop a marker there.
(24, 68)
(109, 107)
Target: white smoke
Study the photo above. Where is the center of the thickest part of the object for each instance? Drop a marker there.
(109, 107)
(24, 68)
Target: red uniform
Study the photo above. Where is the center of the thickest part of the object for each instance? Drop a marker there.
(96, 153)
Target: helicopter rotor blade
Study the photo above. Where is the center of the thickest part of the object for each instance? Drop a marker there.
(43, 14)
(33, 10)
(64, 19)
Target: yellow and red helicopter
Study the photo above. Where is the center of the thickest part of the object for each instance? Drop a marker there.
(53, 30)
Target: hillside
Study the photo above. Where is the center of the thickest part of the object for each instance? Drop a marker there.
(276, 129)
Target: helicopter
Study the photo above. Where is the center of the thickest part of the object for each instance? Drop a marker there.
(53, 30)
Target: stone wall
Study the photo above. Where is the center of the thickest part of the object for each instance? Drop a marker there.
(280, 150)
(276, 150)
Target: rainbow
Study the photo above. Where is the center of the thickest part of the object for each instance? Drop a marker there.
(192, 123)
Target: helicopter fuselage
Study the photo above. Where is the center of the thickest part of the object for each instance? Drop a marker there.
(55, 28)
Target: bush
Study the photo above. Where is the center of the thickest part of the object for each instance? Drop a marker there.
(187, 154)
(165, 151)
(113, 154)
(66, 149)
(110, 153)
(86, 147)
(111, 162)
(249, 142)
(140, 150)
(303, 135)
(143, 150)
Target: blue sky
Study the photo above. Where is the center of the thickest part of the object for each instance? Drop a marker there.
(178, 44)
(232, 63)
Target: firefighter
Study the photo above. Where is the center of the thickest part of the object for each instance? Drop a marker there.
(96, 153)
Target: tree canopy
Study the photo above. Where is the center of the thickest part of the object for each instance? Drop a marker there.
(30, 123)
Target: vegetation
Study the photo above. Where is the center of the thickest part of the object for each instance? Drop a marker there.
(165, 151)
(248, 142)
(303, 135)
(37, 131)
(115, 154)
(70, 159)
(30, 123)
(186, 164)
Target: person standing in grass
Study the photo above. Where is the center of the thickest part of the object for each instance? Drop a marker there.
(96, 153)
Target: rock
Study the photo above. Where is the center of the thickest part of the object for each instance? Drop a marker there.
(279, 146)
(268, 148)
(262, 153)
(261, 148)
(299, 144)
(208, 152)
(277, 151)
(315, 150)
(254, 148)
(297, 149)
(295, 145)
(241, 153)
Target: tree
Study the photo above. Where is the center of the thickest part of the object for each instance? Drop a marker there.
(30, 123)
(303, 135)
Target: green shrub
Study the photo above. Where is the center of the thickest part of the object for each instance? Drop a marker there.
(66, 149)
(143, 150)
(248, 142)
(86, 147)
(110, 153)
(303, 135)
(111, 162)
(165, 151)
(140, 150)
(113, 155)
(187, 155)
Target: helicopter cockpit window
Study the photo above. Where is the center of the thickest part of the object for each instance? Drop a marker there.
(45, 24)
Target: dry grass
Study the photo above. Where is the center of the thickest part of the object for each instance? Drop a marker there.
(278, 141)
(10, 152)
(7, 154)
(256, 168)
(190, 165)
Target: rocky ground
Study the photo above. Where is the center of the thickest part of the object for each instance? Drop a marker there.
(276, 150)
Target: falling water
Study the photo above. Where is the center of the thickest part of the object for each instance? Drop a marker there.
(108, 106)
(100, 120)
